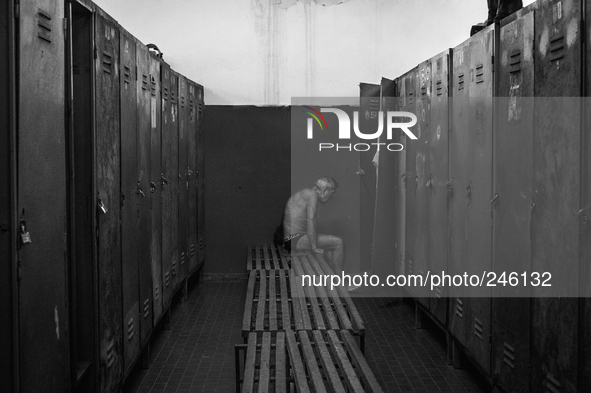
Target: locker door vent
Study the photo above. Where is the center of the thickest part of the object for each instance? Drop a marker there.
(192, 110)
(461, 81)
(200, 244)
(478, 328)
(127, 74)
(107, 62)
(157, 292)
(508, 355)
(552, 384)
(172, 96)
(174, 268)
(438, 292)
(146, 308)
(165, 95)
(459, 308)
(183, 101)
(515, 61)
(411, 98)
(183, 257)
(557, 48)
(410, 266)
(44, 24)
(439, 87)
(167, 278)
(480, 73)
(130, 329)
(144, 82)
(192, 249)
(110, 353)
(153, 85)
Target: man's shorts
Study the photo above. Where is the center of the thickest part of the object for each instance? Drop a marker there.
(287, 242)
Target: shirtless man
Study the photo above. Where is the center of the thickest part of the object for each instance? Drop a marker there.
(299, 223)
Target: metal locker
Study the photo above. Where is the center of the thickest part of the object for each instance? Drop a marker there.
(183, 178)
(175, 180)
(129, 200)
(512, 188)
(438, 158)
(167, 179)
(423, 177)
(471, 187)
(369, 110)
(200, 178)
(156, 185)
(400, 197)
(192, 175)
(7, 196)
(385, 233)
(556, 199)
(408, 93)
(107, 164)
(144, 233)
(41, 198)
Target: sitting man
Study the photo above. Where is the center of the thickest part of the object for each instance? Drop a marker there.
(497, 11)
(299, 223)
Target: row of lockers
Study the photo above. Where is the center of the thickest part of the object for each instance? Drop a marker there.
(499, 180)
(103, 220)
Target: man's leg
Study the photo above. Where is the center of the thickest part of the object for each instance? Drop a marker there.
(506, 8)
(327, 243)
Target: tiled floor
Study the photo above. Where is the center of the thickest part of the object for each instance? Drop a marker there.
(197, 353)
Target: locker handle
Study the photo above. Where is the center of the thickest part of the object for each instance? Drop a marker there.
(139, 190)
(152, 187)
(492, 201)
(429, 182)
(164, 180)
(469, 192)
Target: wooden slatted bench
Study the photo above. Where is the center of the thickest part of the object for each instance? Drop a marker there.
(276, 301)
(316, 361)
(267, 257)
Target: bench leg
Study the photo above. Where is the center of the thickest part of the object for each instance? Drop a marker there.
(362, 344)
(145, 357)
(237, 365)
(457, 355)
(184, 290)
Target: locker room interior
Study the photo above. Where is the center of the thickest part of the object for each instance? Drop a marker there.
(141, 160)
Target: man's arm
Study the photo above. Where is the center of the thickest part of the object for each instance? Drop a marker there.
(311, 206)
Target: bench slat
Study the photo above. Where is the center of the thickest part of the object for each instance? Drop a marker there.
(275, 259)
(299, 373)
(311, 294)
(341, 355)
(321, 293)
(301, 297)
(248, 304)
(329, 366)
(258, 258)
(248, 383)
(283, 277)
(360, 363)
(266, 257)
(280, 364)
(260, 320)
(249, 258)
(272, 301)
(265, 363)
(311, 363)
(298, 319)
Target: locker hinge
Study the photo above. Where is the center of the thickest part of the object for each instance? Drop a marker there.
(65, 26)
(17, 9)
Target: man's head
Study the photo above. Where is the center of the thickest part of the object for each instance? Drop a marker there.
(326, 188)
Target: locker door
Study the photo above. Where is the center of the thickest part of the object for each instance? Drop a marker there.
(7, 207)
(192, 176)
(156, 186)
(176, 180)
(410, 179)
(200, 179)
(384, 260)
(423, 176)
(513, 175)
(401, 184)
(129, 201)
(144, 233)
(470, 209)
(439, 175)
(183, 178)
(167, 178)
(556, 171)
(369, 108)
(108, 193)
(41, 202)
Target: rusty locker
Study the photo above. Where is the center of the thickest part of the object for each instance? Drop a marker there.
(41, 203)
(192, 175)
(144, 233)
(556, 200)
(471, 186)
(183, 151)
(129, 200)
(512, 188)
(175, 180)
(167, 179)
(156, 185)
(438, 158)
(200, 179)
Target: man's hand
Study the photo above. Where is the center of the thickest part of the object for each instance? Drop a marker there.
(318, 251)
